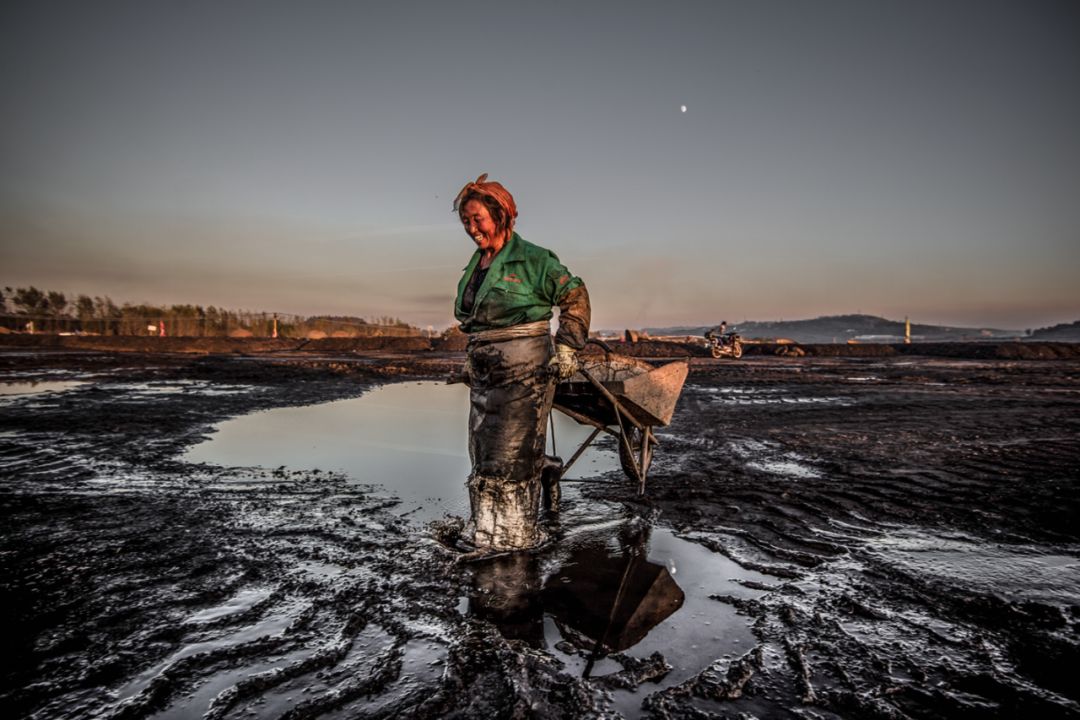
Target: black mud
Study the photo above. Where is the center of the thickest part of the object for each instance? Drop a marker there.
(911, 512)
(915, 518)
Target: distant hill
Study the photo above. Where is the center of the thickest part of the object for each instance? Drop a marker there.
(841, 328)
(1065, 332)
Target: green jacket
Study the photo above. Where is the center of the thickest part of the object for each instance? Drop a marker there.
(522, 285)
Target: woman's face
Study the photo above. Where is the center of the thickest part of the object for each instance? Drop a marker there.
(478, 223)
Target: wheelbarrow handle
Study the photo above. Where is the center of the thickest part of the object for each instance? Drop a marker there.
(601, 343)
(620, 411)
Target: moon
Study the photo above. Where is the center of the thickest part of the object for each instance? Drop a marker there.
(683, 108)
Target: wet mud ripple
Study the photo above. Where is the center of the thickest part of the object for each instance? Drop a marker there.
(921, 533)
(914, 521)
(139, 586)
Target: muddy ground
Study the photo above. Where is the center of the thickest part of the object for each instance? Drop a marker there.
(913, 518)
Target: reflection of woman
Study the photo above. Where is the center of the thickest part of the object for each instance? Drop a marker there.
(504, 302)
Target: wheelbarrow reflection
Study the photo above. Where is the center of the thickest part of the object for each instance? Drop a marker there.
(603, 601)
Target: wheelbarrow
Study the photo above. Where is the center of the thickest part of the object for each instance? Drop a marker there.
(623, 397)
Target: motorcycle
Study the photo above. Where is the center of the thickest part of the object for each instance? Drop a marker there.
(726, 344)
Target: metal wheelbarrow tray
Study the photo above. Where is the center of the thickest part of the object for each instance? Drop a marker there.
(626, 398)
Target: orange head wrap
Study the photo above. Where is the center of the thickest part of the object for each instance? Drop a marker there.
(489, 193)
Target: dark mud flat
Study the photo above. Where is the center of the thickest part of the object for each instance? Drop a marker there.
(909, 522)
(920, 519)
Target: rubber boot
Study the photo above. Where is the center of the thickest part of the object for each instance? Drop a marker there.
(504, 512)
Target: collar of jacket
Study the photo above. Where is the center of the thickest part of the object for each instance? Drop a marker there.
(512, 251)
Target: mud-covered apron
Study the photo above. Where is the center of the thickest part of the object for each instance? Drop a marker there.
(512, 390)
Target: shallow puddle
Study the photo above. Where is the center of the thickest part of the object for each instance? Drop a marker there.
(19, 388)
(409, 438)
(626, 580)
(618, 585)
(613, 583)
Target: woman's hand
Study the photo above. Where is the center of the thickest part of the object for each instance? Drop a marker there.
(564, 363)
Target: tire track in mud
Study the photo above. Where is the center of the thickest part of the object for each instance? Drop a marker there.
(921, 533)
(116, 551)
(145, 587)
(109, 620)
(25, 459)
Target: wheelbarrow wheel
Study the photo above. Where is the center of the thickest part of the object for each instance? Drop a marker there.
(629, 461)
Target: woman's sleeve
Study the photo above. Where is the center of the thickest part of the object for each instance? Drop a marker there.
(574, 316)
(568, 292)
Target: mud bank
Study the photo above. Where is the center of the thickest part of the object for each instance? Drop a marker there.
(956, 350)
(211, 345)
(911, 513)
(908, 524)
(418, 347)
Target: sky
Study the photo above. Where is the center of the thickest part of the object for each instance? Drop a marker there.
(898, 158)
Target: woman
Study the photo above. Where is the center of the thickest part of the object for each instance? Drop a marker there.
(504, 302)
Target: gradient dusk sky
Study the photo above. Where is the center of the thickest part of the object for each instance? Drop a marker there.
(916, 158)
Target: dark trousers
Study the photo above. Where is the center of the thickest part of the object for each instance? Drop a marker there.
(512, 390)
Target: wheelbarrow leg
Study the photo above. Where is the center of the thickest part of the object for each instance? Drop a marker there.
(625, 439)
(550, 475)
(635, 453)
(643, 461)
(639, 464)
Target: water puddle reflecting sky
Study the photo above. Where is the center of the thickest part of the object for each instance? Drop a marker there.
(18, 388)
(409, 438)
(618, 584)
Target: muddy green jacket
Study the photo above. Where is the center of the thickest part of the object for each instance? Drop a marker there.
(522, 285)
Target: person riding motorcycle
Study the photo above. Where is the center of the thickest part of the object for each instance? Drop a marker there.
(717, 331)
(722, 343)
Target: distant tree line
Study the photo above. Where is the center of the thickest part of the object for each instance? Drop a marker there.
(28, 309)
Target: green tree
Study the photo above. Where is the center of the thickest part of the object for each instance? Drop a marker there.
(108, 315)
(213, 323)
(184, 320)
(57, 306)
(84, 311)
(31, 301)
